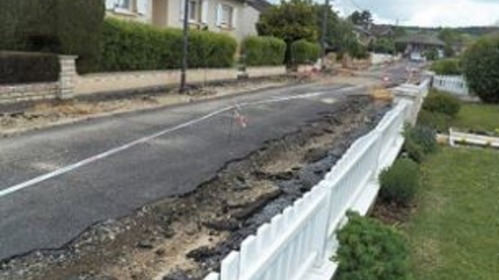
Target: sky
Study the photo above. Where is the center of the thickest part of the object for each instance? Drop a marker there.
(427, 13)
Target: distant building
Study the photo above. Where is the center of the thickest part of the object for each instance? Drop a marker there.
(417, 44)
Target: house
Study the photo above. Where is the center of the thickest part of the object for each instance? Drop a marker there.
(382, 31)
(363, 35)
(417, 44)
(367, 34)
(234, 17)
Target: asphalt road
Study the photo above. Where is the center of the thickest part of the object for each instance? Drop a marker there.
(108, 168)
(184, 146)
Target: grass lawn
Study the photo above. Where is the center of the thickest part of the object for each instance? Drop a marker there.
(454, 232)
(479, 117)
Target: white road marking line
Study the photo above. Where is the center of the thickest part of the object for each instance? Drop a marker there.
(116, 150)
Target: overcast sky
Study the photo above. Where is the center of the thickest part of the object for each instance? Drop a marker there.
(426, 12)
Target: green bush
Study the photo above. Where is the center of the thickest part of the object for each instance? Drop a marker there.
(58, 26)
(435, 120)
(371, 250)
(481, 69)
(129, 46)
(431, 54)
(357, 50)
(305, 52)
(450, 66)
(419, 142)
(400, 182)
(21, 68)
(442, 102)
(261, 50)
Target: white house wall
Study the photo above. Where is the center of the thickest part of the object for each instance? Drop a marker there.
(245, 16)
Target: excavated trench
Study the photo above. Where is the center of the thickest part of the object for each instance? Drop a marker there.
(186, 237)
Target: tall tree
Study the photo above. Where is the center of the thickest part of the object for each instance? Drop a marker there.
(363, 18)
(291, 21)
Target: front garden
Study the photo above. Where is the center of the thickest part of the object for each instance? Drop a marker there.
(437, 211)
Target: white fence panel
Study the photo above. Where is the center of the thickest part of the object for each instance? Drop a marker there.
(453, 84)
(298, 243)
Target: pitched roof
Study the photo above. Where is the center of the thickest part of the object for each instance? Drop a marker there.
(421, 38)
(259, 5)
(382, 30)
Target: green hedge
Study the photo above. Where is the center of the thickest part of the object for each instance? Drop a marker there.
(263, 50)
(129, 46)
(22, 68)
(56, 26)
(305, 52)
(450, 66)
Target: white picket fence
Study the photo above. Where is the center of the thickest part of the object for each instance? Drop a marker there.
(452, 84)
(298, 244)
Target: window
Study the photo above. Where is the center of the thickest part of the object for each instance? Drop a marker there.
(194, 10)
(125, 4)
(227, 14)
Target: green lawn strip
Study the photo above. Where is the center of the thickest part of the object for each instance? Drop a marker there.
(454, 233)
(479, 117)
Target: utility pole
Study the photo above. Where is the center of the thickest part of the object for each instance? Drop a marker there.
(185, 47)
(324, 32)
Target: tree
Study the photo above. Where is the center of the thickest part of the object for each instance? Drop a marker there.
(363, 18)
(291, 21)
(450, 38)
(383, 45)
(481, 69)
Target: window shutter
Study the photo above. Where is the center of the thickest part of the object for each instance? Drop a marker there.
(143, 6)
(234, 17)
(204, 11)
(182, 5)
(219, 15)
(110, 4)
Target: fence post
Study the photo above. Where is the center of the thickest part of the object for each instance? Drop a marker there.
(67, 76)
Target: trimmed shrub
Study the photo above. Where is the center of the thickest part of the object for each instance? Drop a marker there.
(481, 69)
(371, 250)
(305, 52)
(129, 46)
(261, 50)
(22, 68)
(419, 142)
(57, 26)
(442, 102)
(400, 182)
(449, 66)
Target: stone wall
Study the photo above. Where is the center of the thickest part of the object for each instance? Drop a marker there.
(120, 81)
(28, 92)
(265, 71)
(71, 84)
(63, 88)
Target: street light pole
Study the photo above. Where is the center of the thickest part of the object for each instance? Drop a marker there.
(324, 32)
(185, 47)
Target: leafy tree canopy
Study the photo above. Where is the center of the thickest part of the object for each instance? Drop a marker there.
(363, 18)
(291, 21)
